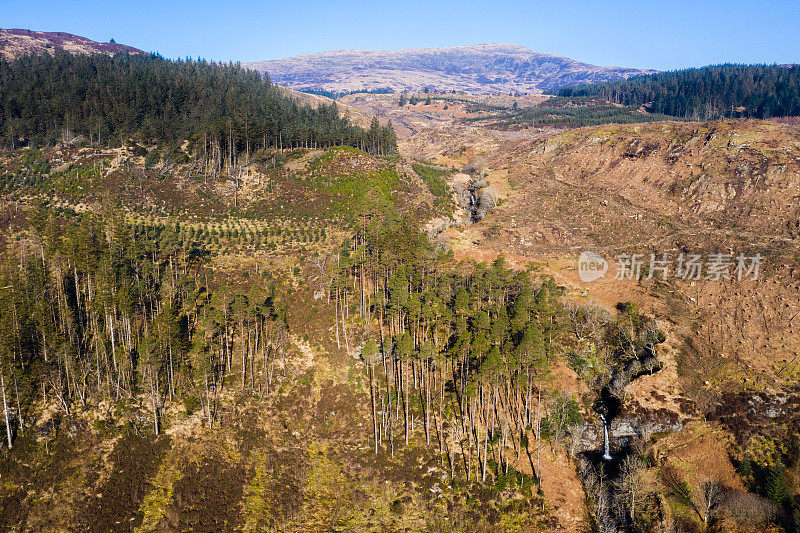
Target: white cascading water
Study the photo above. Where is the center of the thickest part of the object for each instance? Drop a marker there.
(606, 445)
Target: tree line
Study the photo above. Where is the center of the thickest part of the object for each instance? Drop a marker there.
(707, 93)
(96, 309)
(335, 95)
(464, 352)
(571, 112)
(222, 109)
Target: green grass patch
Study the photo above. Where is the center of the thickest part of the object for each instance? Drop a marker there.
(350, 189)
(435, 179)
(75, 181)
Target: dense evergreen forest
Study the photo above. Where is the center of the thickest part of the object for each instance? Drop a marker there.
(97, 309)
(222, 109)
(707, 93)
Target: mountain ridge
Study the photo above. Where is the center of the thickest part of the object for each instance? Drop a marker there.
(481, 68)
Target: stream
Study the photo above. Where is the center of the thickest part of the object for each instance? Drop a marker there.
(475, 196)
(601, 467)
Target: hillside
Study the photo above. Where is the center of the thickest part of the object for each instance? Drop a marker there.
(300, 349)
(663, 187)
(16, 42)
(483, 68)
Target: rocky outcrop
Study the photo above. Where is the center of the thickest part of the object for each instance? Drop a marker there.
(15, 43)
(474, 198)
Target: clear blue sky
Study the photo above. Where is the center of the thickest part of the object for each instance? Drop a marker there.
(661, 34)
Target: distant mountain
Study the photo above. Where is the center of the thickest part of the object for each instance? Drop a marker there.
(15, 43)
(483, 68)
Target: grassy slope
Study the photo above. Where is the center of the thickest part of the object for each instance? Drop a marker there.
(671, 187)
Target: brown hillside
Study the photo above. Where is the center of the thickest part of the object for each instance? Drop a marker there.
(702, 188)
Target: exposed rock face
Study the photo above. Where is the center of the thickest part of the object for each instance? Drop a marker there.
(604, 449)
(744, 413)
(474, 198)
(625, 430)
(486, 199)
(461, 184)
(15, 43)
(478, 69)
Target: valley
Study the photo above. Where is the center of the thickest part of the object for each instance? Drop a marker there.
(667, 187)
(259, 309)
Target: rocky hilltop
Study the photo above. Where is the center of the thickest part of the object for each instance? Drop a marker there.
(15, 43)
(483, 68)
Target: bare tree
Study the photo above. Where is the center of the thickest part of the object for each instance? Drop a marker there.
(587, 320)
(748, 508)
(5, 410)
(705, 502)
(630, 481)
(320, 262)
(711, 495)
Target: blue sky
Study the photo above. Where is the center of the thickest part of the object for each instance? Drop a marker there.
(661, 34)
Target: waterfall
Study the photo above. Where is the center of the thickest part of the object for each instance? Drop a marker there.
(600, 472)
(606, 444)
